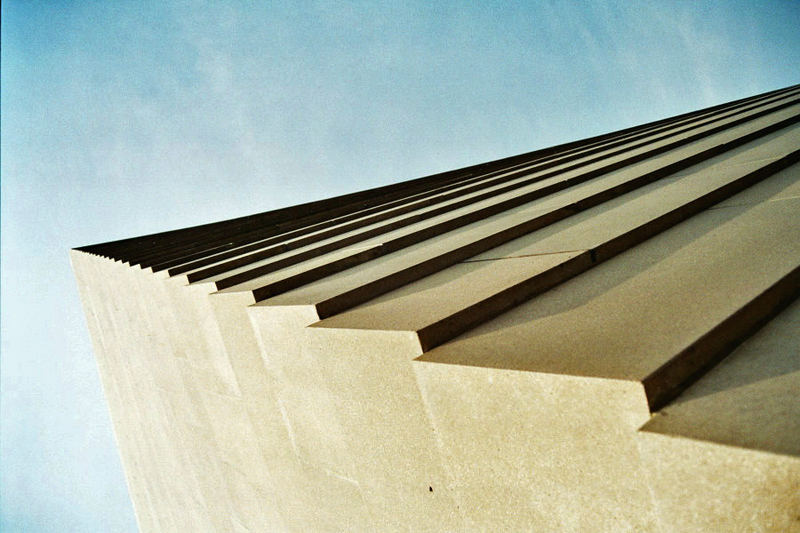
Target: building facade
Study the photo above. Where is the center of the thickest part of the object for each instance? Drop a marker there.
(598, 336)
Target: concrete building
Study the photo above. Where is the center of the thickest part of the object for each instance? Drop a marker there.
(599, 336)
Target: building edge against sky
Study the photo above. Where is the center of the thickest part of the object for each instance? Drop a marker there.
(598, 336)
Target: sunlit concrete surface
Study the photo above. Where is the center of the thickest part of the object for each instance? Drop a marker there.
(598, 336)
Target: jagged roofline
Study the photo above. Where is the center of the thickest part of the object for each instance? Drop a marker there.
(286, 219)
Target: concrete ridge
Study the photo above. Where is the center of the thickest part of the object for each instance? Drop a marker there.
(484, 244)
(202, 258)
(112, 249)
(692, 363)
(451, 326)
(477, 214)
(234, 263)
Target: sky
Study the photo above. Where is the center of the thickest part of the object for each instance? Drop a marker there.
(126, 118)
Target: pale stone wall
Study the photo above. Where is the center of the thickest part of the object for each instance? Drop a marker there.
(529, 345)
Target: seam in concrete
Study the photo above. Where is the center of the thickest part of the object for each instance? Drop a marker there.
(747, 204)
(523, 255)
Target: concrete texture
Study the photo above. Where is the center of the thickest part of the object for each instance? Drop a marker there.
(598, 336)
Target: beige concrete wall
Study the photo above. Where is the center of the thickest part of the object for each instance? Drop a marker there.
(462, 372)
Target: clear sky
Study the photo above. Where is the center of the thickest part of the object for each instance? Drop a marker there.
(124, 118)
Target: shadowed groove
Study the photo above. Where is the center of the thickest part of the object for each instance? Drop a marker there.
(128, 249)
(457, 323)
(474, 216)
(384, 214)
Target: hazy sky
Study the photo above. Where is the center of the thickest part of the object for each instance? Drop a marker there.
(124, 118)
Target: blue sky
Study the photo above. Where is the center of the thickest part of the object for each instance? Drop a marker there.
(125, 118)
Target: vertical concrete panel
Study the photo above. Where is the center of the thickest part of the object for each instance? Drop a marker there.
(701, 486)
(389, 439)
(540, 452)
